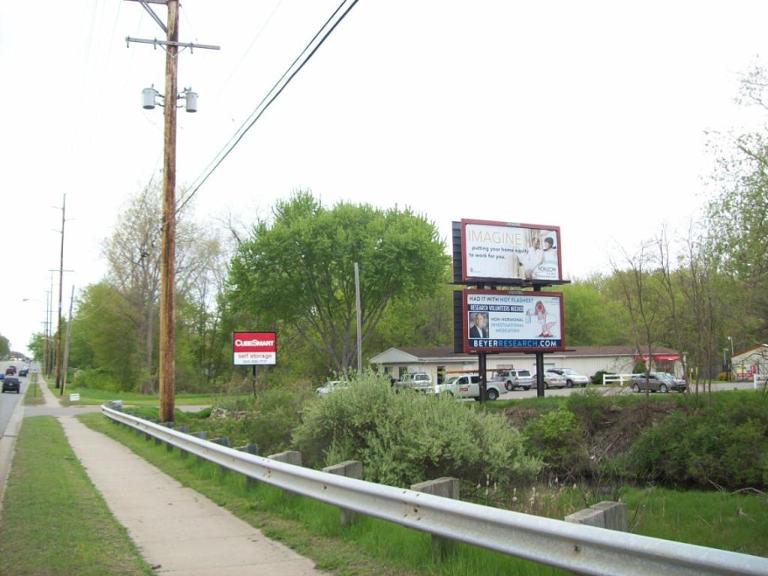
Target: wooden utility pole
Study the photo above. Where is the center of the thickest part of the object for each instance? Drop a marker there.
(61, 287)
(167, 340)
(167, 366)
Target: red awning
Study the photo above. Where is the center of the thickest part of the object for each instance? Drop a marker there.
(660, 357)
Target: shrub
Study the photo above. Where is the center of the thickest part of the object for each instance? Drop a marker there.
(723, 444)
(409, 437)
(98, 379)
(557, 436)
(597, 377)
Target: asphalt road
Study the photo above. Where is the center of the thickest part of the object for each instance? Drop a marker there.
(8, 402)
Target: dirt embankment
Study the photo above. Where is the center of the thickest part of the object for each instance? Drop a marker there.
(610, 427)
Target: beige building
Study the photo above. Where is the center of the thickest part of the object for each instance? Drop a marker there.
(750, 362)
(442, 362)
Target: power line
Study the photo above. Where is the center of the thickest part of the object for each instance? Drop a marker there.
(309, 50)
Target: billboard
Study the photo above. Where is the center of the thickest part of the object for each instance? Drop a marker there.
(499, 252)
(254, 348)
(504, 321)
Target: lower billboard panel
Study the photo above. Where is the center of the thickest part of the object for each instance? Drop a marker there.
(503, 321)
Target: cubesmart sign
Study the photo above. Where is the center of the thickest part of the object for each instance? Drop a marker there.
(254, 348)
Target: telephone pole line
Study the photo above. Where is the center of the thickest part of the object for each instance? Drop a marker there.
(167, 340)
(167, 357)
(61, 287)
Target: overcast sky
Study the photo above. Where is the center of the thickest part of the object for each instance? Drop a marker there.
(592, 116)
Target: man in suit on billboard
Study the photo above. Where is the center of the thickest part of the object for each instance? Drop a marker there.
(479, 328)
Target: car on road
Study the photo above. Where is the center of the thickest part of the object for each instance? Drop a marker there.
(11, 370)
(572, 378)
(655, 382)
(679, 384)
(11, 384)
(512, 379)
(552, 380)
(23, 372)
(468, 386)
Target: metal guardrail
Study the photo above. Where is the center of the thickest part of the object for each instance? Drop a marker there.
(579, 548)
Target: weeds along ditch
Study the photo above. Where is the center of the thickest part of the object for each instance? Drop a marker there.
(679, 461)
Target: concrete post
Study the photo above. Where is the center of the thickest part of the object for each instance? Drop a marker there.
(289, 457)
(446, 487)
(251, 449)
(610, 515)
(350, 469)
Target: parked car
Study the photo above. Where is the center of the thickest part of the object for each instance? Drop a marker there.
(552, 380)
(331, 386)
(11, 384)
(468, 386)
(655, 382)
(511, 379)
(420, 381)
(572, 378)
(679, 384)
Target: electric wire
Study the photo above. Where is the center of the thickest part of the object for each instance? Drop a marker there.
(325, 30)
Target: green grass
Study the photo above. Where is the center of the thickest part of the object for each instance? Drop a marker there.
(95, 396)
(369, 547)
(33, 395)
(735, 521)
(54, 522)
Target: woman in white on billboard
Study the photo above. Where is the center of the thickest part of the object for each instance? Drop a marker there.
(540, 312)
(533, 256)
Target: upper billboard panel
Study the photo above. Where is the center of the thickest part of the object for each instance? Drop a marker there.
(514, 253)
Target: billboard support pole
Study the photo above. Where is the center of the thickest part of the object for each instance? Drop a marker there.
(540, 374)
(253, 381)
(483, 382)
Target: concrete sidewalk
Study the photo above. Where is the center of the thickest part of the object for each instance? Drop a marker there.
(177, 530)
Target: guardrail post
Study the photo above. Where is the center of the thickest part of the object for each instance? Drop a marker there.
(168, 445)
(289, 457)
(350, 469)
(446, 487)
(251, 448)
(610, 515)
(224, 441)
(200, 435)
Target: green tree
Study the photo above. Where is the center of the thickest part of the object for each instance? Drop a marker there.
(737, 226)
(104, 339)
(298, 270)
(5, 347)
(36, 346)
(592, 316)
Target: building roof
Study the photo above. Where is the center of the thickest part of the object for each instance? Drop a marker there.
(759, 350)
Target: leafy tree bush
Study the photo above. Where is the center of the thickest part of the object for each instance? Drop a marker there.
(723, 444)
(268, 419)
(639, 368)
(557, 436)
(408, 437)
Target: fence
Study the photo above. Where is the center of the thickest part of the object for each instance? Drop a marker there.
(620, 378)
(579, 548)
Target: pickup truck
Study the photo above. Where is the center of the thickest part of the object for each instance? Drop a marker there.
(468, 387)
(419, 381)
